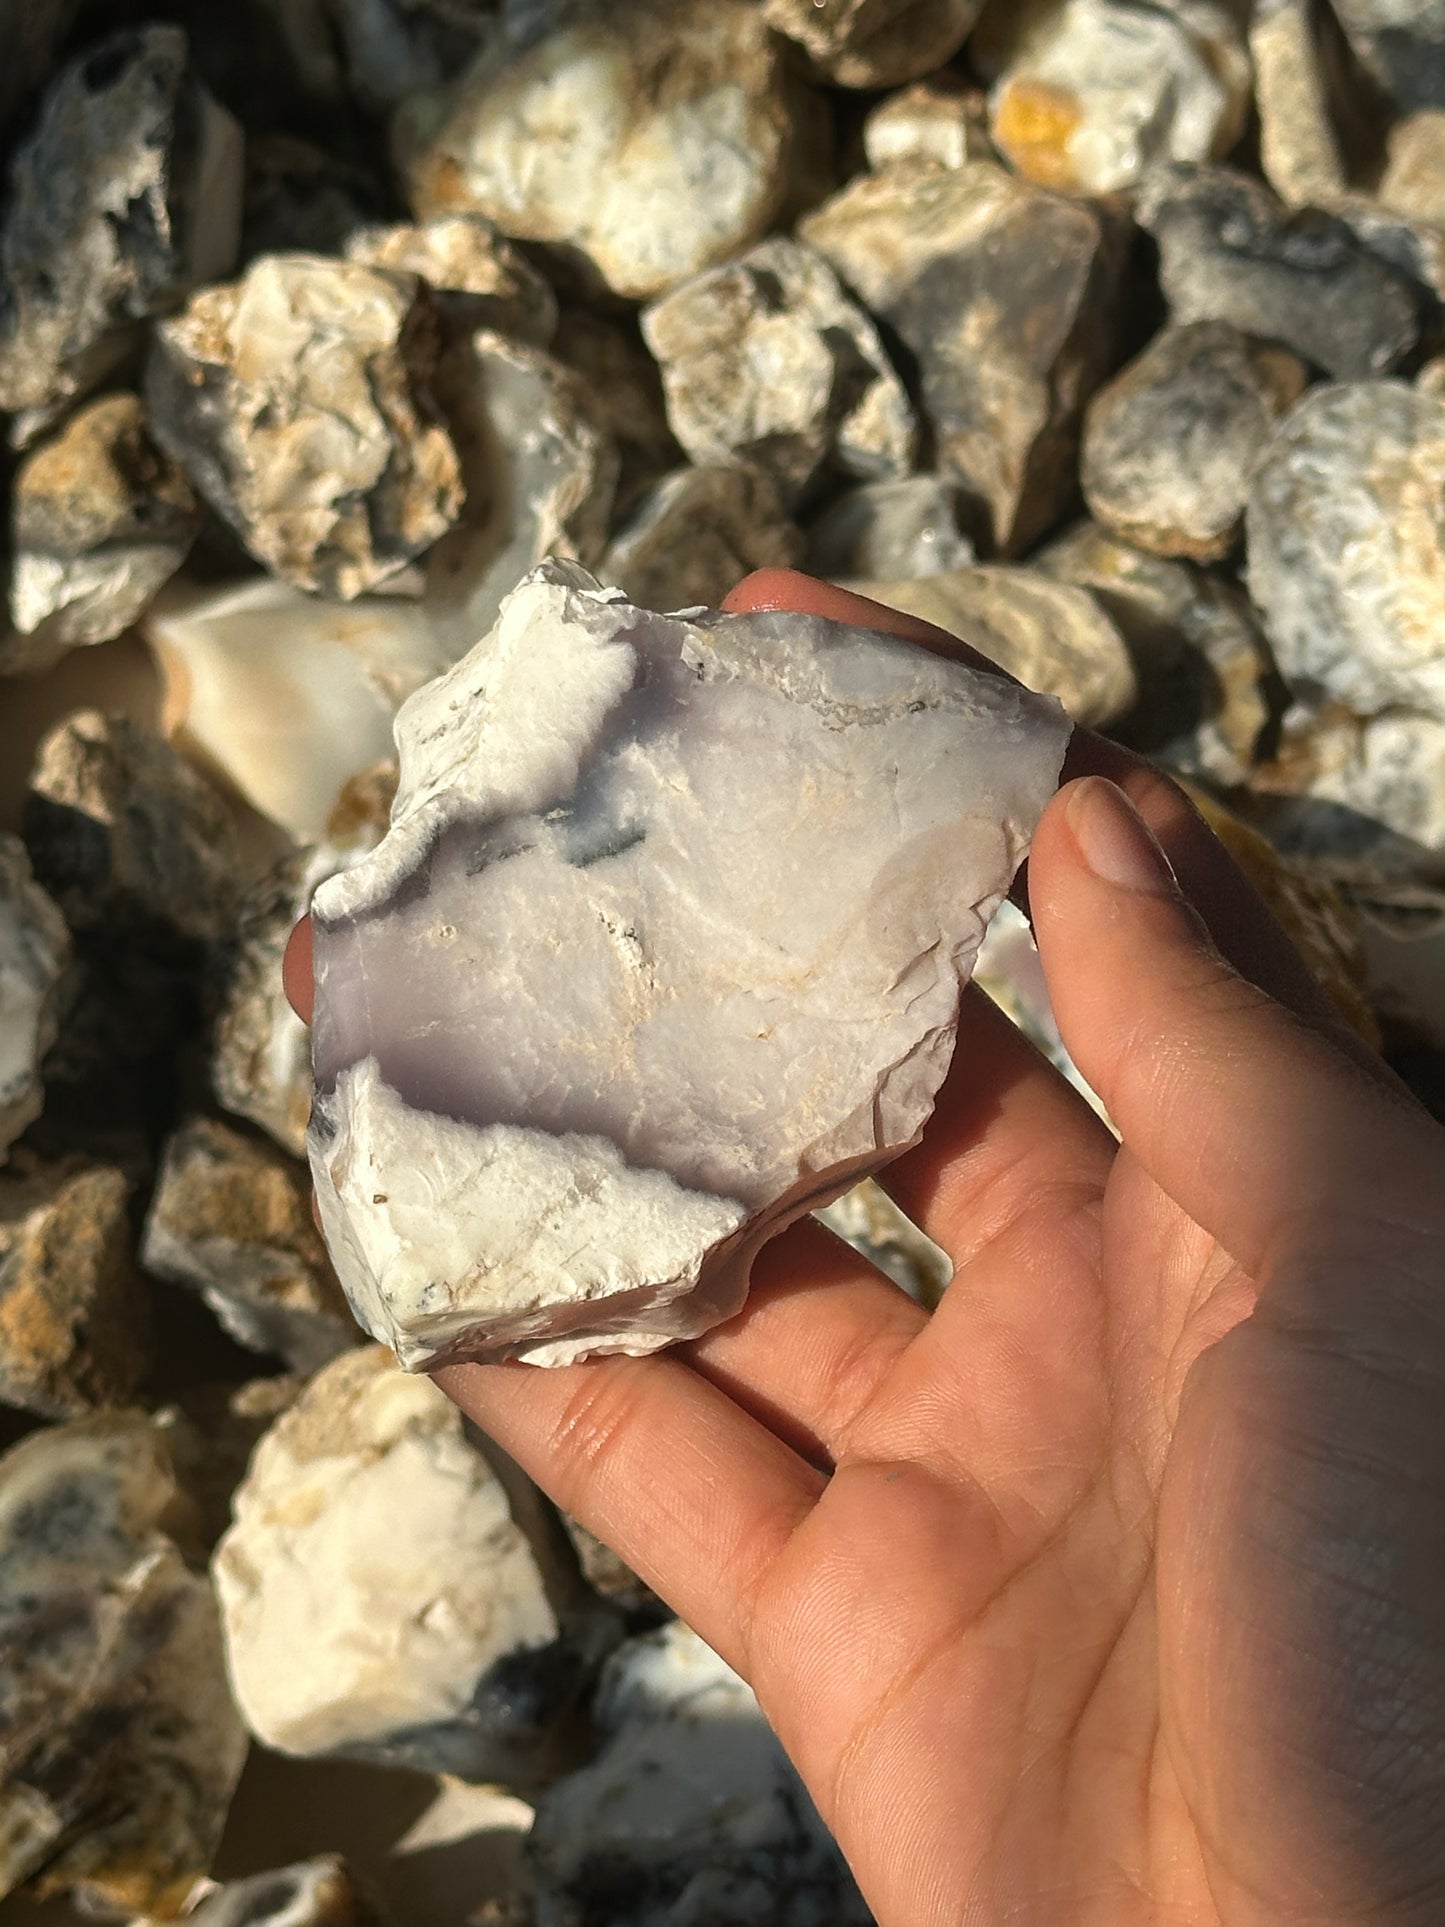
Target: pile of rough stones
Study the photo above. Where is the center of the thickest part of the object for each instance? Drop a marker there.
(1108, 335)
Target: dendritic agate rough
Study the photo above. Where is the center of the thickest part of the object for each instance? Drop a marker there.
(664, 947)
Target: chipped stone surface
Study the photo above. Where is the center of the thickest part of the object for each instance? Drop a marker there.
(690, 1810)
(1054, 637)
(1347, 547)
(669, 136)
(684, 929)
(100, 519)
(695, 535)
(297, 401)
(1006, 296)
(127, 193)
(119, 1741)
(890, 531)
(1299, 146)
(120, 827)
(486, 281)
(767, 361)
(875, 43)
(1414, 180)
(1402, 44)
(74, 1312)
(1171, 443)
(231, 1219)
(34, 955)
(1229, 251)
(1097, 91)
(377, 1598)
(313, 1893)
(942, 119)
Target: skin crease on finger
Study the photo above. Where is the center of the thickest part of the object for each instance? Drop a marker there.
(1114, 1592)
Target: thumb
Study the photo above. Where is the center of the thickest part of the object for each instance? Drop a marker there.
(1265, 1129)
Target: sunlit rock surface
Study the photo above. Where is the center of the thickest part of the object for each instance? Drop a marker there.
(941, 119)
(486, 281)
(34, 953)
(664, 948)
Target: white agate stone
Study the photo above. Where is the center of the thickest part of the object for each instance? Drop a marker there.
(664, 948)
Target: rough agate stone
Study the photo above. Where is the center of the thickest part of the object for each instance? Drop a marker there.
(664, 948)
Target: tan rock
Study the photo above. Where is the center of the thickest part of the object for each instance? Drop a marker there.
(1299, 146)
(942, 119)
(1414, 179)
(875, 43)
(488, 282)
(695, 535)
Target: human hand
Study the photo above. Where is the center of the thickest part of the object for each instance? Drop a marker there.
(1115, 1590)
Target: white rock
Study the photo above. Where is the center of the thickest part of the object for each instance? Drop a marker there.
(1011, 971)
(376, 1596)
(890, 531)
(733, 870)
(465, 257)
(34, 952)
(689, 1812)
(940, 120)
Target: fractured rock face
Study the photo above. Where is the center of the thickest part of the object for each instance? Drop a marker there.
(101, 519)
(127, 193)
(296, 400)
(1299, 147)
(1006, 296)
(1228, 251)
(890, 531)
(231, 1219)
(875, 43)
(695, 535)
(645, 141)
(1170, 444)
(690, 1810)
(34, 953)
(313, 1893)
(378, 1600)
(767, 361)
(485, 282)
(663, 948)
(1100, 90)
(940, 119)
(119, 1741)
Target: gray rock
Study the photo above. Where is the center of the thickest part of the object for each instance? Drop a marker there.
(1402, 44)
(1229, 251)
(690, 1810)
(119, 1741)
(890, 531)
(303, 199)
(942, 119)
(623, 388)
(484, 280)
(1053, 637)
(1171, 443)
(392, 49)
(673, 844)
(1413, 248)
(875, 43)
(313, 1893)
(1347, 547)
(1092, 93)
(670, 136)
(378, 1600)
(34, 955)
(767, 361)
(1414, 179)
(100, 521)
(74, 1312)
(297, 399)
(127, 194)
(231, 1219)
(695, 535)
(1299, 146)
(1007, 296)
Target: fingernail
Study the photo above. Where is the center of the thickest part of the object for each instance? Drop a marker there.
(1115, 841)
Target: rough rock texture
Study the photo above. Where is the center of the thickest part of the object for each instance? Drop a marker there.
(377, 1598)
(231, 1218)
(1099, 90)
(486, 282)
(119, 1745)
(623, 389)
(664, 990)
(695, 535)
(296, 399)
(1402, 44)
(1414, 181)
(122, 829)
(767, 361)
(1055, 638)
(34, 953)
(875, 43)
(1299, 147)
(941, 119)
(689, 1812)
(1229, 251)
(1006, 296)
(127, 193)
(74, 1312)
(1347, 547)
(894, 531)
(1206, 679)
(313, 1893)
(668, 136)
(1170, 444)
